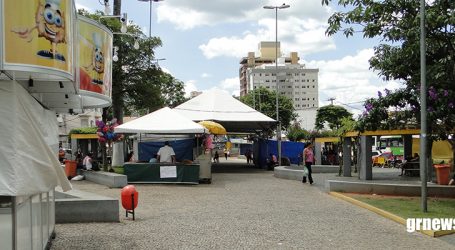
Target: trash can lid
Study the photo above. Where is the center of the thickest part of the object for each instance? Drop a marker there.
(442, 166)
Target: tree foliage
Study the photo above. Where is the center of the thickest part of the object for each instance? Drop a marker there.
(333, 115)
(398, 58)
(264, 101)
(296, 133)
(138, 83)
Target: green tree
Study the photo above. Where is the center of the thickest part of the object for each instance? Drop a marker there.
(333, 115)
(296, 133)
(396, 23)
(172, 90)
(264, 101)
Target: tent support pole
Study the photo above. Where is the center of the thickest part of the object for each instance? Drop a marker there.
(197, 147)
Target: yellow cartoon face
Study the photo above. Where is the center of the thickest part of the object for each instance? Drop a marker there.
(98, 61)
(50, 23)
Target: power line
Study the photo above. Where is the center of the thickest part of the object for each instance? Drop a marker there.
(347, 105)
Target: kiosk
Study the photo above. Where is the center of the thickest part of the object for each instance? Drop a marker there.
(39, 77)
(163, 122)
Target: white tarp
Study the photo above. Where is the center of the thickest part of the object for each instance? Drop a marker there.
(162, 121)
(28, 145)
(219, 106)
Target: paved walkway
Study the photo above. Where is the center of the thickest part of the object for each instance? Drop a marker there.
(243, 208)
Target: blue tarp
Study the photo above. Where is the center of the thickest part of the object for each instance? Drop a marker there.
(245, 147)
(263, 148)
(183, 149)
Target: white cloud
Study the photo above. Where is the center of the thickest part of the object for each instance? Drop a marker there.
(81, 6)
(205, 75)
(230, 47)
(189, 87)
(186, 14)
(304, 36)
(231, 85)
(349, 80)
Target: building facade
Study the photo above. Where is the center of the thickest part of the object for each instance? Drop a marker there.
(66, 122)
(295, 81)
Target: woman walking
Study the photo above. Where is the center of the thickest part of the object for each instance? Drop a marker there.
(308, 155)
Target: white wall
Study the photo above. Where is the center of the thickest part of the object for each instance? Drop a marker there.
(307, 118)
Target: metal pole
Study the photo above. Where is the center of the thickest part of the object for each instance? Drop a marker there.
(150, 20)
(278, 128)
(423, 110)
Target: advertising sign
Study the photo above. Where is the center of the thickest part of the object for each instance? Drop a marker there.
(95, 58)
(38, 36)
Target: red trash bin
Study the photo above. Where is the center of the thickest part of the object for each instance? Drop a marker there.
(70, 168)
(130, 199)
(442, 173)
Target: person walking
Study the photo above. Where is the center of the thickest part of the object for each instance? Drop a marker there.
(308, 155)
(226, 153)
(249, 157)
(216, 158)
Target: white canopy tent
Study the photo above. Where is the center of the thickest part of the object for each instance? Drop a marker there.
(162, 121)
(221, 107)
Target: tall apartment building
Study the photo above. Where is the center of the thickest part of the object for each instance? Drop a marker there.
(267, 52)
(295, 80)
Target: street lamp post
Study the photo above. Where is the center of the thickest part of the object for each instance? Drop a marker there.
(278, 128)
(150, 17)
(157, 61)
(423, 111)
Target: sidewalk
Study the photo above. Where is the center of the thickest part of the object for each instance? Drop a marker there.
(240, 210)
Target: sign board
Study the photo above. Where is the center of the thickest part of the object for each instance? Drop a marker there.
(95, 63)
(168, 172)
(38, 38)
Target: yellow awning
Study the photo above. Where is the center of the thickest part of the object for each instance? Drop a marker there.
(326, 139)
(84, 136)
(385, 132)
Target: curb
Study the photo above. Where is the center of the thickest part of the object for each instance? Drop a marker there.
(388, 215)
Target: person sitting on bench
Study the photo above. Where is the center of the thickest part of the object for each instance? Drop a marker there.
(407, 162)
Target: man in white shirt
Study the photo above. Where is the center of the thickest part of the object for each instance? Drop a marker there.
(166, 153)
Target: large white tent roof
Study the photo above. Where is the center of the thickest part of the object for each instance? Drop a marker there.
(162, 121)
(221, 107)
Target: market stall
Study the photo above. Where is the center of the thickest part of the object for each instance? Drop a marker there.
(162, 173)
(163, 122)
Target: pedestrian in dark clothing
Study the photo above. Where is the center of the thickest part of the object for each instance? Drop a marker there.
(249, 157)
(216, 158)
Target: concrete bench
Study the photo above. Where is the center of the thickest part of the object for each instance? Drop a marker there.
(400, 189)
(77, 206)
(112, 180)
(412, 172)
(411, 168)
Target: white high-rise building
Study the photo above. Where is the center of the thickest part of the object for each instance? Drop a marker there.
(296, 81)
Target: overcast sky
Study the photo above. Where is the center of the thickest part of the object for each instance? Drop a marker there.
(203, 42)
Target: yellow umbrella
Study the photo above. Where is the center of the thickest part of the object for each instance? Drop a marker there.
(213, 127)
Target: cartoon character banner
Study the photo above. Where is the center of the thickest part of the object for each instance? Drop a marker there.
(39, 33)
(95, 57)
